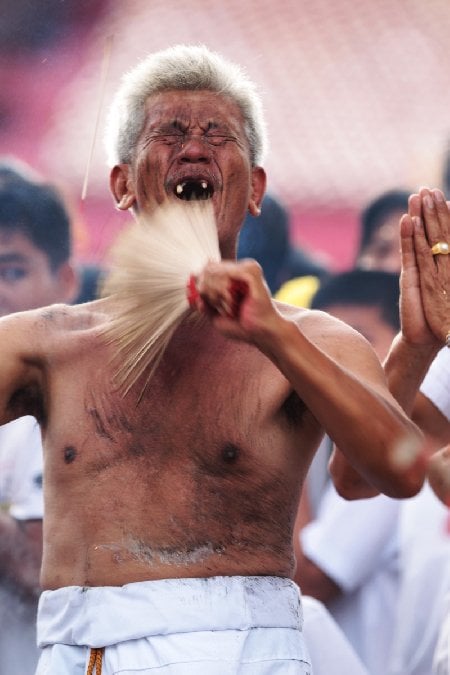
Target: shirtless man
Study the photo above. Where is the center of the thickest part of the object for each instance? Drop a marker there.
(182, 504)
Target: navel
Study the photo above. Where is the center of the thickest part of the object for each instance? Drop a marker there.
(70, 454)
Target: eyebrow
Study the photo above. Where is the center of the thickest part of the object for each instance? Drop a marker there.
(12, 257)
(178, 124)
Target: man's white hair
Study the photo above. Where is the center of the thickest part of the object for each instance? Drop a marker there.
(188, 68)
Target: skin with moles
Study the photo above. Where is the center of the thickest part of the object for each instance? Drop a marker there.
(171, 487)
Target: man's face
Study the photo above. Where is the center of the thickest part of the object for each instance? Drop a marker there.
(193, 146)
(26, 280)
(383, 250)
(369, 322)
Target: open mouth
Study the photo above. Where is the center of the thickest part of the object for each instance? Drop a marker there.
(194, 189)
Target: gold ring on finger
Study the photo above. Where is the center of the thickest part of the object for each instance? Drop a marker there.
(440, 248)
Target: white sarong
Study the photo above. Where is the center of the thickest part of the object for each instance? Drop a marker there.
(211, 626)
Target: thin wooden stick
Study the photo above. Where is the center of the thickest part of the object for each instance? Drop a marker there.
(105, 67)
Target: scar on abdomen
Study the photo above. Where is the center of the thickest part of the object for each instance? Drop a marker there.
(70, 454)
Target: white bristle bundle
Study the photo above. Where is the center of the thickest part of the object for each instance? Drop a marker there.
(151, 263)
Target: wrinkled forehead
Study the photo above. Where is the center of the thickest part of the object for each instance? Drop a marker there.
(193, 108)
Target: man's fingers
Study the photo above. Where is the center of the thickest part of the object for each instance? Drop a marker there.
(430, 216)
(415, 206)
(443, 215)
(407, 226)
(436, 216)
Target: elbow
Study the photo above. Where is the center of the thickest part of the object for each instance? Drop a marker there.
(347, 480)
(396, 485)
(408, 467)
(355, 489)
(398, 473)
(404, 486)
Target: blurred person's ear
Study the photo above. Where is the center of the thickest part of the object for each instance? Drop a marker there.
(68, 281)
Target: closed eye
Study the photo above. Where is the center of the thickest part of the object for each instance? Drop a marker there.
(218, 139)
(170, 139)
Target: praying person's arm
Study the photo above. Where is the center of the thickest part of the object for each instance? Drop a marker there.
(425, 322)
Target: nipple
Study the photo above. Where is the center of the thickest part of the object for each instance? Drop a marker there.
(230, 453)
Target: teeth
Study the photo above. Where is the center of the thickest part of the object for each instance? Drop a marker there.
(193, 189)
(180, 186)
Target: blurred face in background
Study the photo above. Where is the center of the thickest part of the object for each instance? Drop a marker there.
(383, 250)
(27, 280)
(369, 322)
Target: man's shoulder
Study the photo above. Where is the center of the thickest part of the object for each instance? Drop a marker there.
(71, 317)
(312, 319)
(327, 332)
(58, 316)
(35, 332)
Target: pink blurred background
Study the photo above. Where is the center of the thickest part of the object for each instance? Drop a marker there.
(356, 97)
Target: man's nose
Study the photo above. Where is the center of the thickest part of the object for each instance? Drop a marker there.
(195, 148)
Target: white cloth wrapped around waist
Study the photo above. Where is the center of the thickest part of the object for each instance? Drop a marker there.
(102, 616)
(215, 626)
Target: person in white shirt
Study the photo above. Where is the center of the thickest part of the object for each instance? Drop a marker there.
(436, 390)
(425, 544)
(319, 628)
(418, 360)
(21, 513)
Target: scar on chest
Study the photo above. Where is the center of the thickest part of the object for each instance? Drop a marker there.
(70, 454)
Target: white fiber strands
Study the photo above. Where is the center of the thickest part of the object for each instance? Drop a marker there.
(151, 263)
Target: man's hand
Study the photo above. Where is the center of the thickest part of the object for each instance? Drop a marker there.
(424, 309)
(425, 278)
(237, 298)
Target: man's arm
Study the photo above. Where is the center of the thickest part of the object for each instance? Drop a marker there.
(424, 308)
(425, 316)
(331, 367)
(21, 359)
(427, 416)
